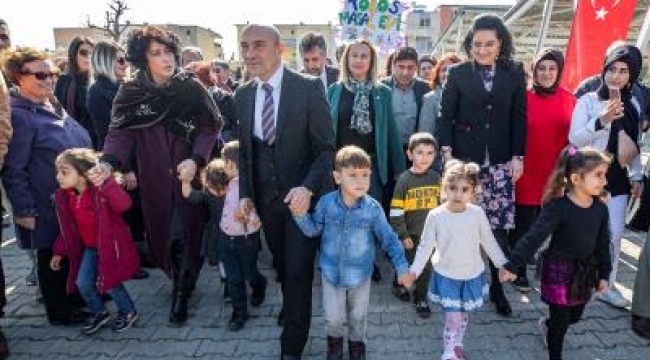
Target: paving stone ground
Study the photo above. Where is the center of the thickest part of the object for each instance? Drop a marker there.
(394, 331)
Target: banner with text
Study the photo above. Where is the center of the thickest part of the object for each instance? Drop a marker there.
(378, 21)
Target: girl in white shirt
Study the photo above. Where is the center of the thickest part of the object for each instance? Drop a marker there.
(457, 230)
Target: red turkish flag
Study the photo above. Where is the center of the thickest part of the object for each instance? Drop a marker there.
(596, 24)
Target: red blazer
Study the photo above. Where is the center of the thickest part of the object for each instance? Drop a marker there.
(117, 256)
(548, 124)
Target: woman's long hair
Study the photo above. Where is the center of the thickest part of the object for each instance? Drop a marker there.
(104, 59)
(345, 67)
(72, 67)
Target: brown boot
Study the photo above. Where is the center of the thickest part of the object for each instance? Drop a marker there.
(334, 348)
(357, 350)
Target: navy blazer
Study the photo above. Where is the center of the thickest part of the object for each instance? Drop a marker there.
(473, 119)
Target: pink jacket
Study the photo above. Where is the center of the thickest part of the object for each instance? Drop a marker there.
(117, 256)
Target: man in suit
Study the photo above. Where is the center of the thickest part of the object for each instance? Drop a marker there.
(287, 154)
(313, 51)
(407, 90)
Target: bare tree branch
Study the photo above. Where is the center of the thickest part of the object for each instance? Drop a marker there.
(113, 26)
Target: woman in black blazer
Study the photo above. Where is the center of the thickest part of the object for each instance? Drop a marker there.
(483, 120)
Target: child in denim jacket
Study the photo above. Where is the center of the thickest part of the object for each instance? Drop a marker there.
(349, 221)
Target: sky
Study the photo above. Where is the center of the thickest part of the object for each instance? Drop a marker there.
(31, 22)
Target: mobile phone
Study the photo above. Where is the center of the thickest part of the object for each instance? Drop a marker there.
(614, 93)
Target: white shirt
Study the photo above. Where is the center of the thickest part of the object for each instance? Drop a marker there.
(457, 239)
(323, 78)
(276, 82)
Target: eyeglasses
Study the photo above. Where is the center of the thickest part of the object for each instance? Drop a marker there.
(488, 45)
(40, 75)
(84, 52)
(121, 61)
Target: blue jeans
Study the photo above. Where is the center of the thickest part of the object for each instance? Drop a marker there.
(87, 284)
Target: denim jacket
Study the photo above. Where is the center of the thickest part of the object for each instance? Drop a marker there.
(347, 250)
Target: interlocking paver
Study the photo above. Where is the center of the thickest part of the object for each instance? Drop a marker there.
(394, 331)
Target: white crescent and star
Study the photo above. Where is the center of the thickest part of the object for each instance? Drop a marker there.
(602, 13)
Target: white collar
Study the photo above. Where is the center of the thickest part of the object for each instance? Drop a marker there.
(275, 80)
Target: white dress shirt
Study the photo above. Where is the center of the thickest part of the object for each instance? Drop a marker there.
(276, 82)
(323, 78)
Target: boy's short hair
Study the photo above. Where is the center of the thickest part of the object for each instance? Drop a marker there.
(352, 157)
(214, 175)
(422, 138)
(230, 152)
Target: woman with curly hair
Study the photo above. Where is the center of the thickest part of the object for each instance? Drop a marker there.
(483, 120)
(175, 123)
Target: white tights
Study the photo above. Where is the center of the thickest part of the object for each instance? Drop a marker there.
(455, 327)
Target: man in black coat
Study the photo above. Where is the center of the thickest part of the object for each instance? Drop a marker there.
(287, 153)
(313, 51)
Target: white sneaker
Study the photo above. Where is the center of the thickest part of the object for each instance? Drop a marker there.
(614, 298)
(543, 330)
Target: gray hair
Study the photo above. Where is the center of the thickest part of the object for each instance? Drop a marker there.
(310, 41)
(104, 59)
(191, 49)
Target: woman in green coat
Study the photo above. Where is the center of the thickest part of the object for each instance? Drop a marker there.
(362, 115)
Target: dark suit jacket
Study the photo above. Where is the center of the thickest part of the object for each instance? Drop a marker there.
(304, 147)
(472, 119)
(420, 87)
(331, 73)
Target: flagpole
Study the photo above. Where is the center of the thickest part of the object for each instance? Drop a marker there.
(644, 33)
(546, 19)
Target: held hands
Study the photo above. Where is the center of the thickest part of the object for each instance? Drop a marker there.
(130, 181)
(603, 285)
(186, 170)
(637, 189)
(55, 263)
(505, 275)
(407, 279)
(246, 206)
(298, 199)
(612, 111)
(26, 222)
(408, 243)
(99, 174)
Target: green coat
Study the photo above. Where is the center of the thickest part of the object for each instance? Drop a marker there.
(390, 155)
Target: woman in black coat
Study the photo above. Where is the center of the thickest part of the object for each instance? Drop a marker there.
(72, 86)
(483, 120)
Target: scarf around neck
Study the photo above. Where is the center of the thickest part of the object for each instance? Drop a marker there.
(183, 107)
(360, 121)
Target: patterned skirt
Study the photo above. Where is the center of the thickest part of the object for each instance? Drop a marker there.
(497, 197)
(457, 295)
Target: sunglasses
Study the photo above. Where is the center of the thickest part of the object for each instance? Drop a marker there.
(84, 52)
(41, 75)
(121, 61)
(4, 37)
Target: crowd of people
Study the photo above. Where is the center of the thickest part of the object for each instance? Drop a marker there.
(436, 160)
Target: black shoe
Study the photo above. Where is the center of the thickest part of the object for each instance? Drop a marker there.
(227, 299)
(95, 322)
(500, 302)
(237, 320)
(178, 310)
(422, 309)
(641, 326)
(522, 284)
(401, 293)
(141, 275)
(124, 321)
(357, 350)
(289, 357)
(78, 317)
(376, 274)
(4, 347)
(334, 348)
(281, 318)
(258, 296)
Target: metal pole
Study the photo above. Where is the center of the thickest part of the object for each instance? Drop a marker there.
(644, 34)
(459, 33)
(546, 19)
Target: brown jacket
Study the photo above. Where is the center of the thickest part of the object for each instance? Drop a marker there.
(5, 120)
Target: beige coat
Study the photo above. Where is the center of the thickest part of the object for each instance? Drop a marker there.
(5, 120)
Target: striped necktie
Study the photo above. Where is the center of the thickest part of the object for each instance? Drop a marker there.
(268, 115)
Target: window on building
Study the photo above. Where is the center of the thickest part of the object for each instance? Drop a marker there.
(423, 44)
(425, 22)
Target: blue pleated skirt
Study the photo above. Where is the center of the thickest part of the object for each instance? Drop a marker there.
(458, 295)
